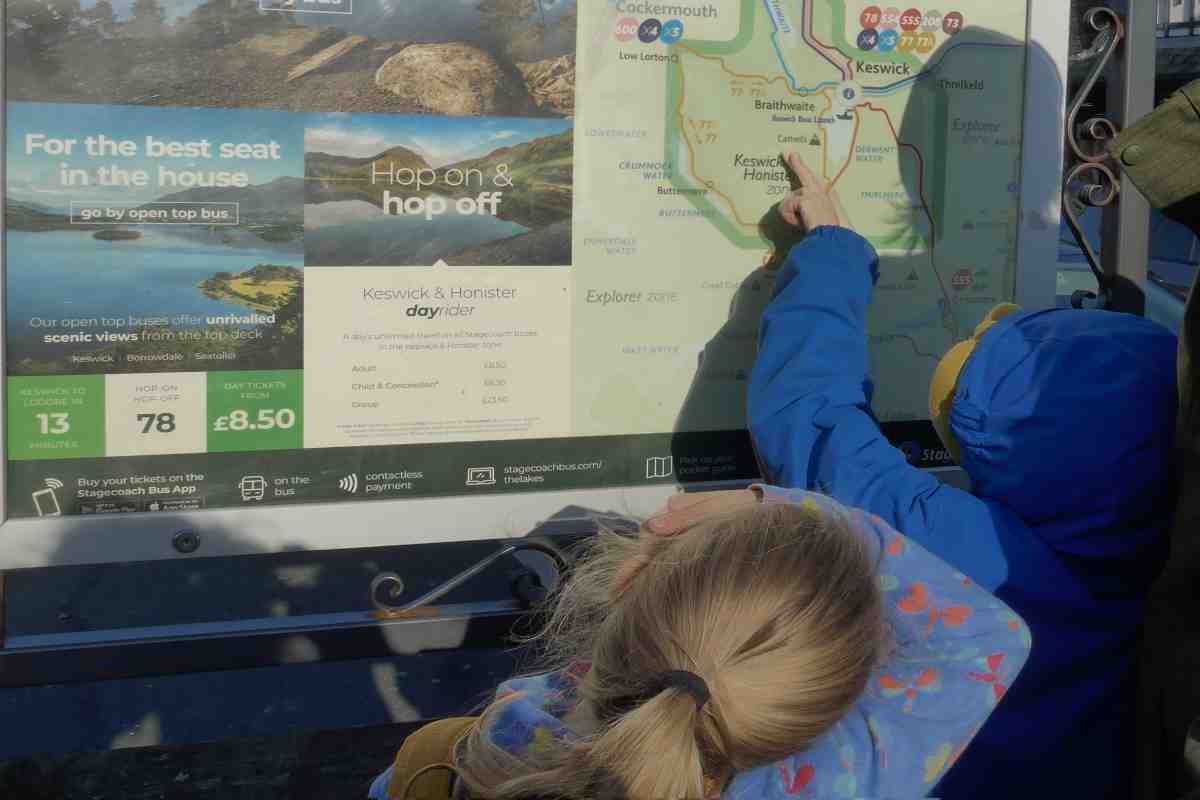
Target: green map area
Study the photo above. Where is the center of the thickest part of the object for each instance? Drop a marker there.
(916, 129)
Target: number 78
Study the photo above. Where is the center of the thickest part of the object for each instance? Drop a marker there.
(163, 423)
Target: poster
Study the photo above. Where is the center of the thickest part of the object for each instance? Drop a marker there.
(287, 251)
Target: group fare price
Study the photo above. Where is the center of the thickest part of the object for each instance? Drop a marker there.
(889, 29)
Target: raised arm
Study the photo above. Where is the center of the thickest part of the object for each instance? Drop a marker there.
(809, 405)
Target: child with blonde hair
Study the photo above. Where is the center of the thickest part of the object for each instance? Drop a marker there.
(793, 648)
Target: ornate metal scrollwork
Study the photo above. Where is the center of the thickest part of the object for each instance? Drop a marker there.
(388, 587)
(1089, 157)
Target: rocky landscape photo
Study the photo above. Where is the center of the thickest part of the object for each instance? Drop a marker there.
(489, 57)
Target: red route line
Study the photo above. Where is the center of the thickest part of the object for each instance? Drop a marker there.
(917, 351)
(850, 156)
(924, 205)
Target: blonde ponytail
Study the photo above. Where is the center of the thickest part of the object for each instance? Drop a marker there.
(776, 614)
(653, 749)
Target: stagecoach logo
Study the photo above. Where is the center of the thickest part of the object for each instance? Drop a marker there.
(961, 280)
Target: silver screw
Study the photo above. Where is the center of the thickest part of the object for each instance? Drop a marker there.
(186, 541)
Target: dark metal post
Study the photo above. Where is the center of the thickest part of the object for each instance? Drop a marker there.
(3, 613)
(1126, 243)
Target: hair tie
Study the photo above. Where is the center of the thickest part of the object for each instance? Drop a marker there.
(685, 681)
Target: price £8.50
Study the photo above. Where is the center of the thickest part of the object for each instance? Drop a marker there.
(266, 419)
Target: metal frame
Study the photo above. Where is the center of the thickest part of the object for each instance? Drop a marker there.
(34, 543)
(1127, 224)
(1126, 50)
(37, 660)
(480, 621)
(1049, 35)
(32, 659)
(1178, 18)
(318, 526)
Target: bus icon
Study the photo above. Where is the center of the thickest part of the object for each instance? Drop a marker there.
(253, 487)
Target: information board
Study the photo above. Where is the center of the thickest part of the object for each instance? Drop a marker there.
(279, 252)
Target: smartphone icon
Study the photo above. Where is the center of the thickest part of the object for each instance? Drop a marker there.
(46, 502)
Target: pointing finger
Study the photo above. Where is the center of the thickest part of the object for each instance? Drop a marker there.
(806, 176)
(788, 210)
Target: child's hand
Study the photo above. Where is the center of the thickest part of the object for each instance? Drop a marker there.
(813, 204)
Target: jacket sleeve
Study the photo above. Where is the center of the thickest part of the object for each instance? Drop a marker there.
(811, 420)
(956, 649)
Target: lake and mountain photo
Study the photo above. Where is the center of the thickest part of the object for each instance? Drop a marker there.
(415, 190)
(88, 294)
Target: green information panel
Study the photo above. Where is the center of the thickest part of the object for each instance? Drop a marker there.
(254, 411)
(56, 417)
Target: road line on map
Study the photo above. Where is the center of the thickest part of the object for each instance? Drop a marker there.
(711, 185)
(850, 157)
(782, 60)
(821, 48)
(748, 76)
(913, 343)
(925, 205)
(848, 72)
(705, 183)
(931, 69)
(825, 141)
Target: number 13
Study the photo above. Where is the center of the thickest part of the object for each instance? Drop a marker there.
(54, 423)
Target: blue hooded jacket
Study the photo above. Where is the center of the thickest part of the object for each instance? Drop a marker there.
(1065, 419)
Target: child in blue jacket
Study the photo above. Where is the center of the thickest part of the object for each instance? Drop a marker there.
(1063, 420)
(789, 649)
